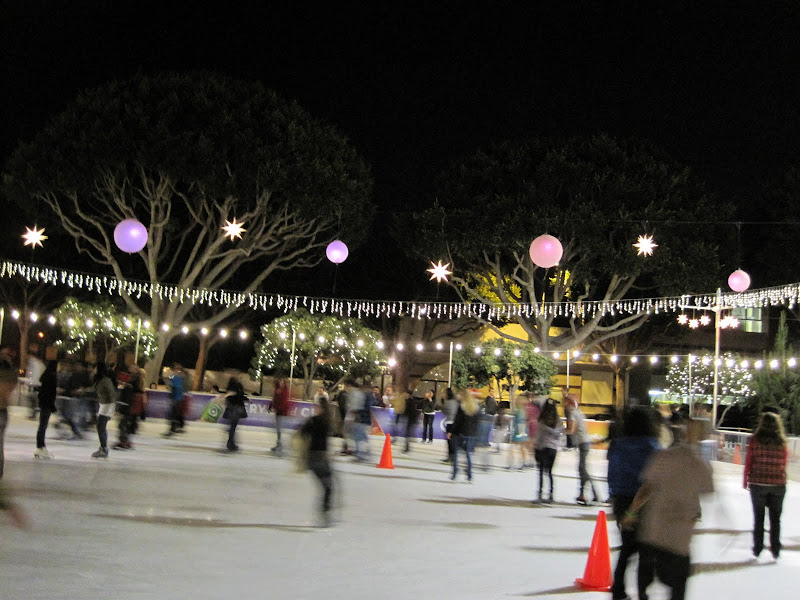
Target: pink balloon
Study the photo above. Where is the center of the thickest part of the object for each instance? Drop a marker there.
(739, 281)
(337, 251)
(130, 235)
(546, 251)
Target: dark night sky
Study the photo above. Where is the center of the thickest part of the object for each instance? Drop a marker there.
(415, 87)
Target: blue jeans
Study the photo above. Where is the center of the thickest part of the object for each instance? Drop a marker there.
(361, 440)
(467, 444)
(767, 497)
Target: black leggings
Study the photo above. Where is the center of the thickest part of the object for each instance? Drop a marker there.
(321, 467)
(44, 420)
(546, 458)
(102, 421)
(427, 427)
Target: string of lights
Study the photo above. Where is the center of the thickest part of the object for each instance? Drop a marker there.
(103, 284)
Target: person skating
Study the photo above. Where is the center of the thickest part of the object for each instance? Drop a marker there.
(280, 406)
(317, 430)
(576, 427)
(765, 477)
(547, 440)
(48, 390)
(672, 484)
(628, 454)
(106, 389)
(463, 431)
(235, 410)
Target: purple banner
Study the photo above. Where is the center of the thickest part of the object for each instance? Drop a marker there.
(258, 414)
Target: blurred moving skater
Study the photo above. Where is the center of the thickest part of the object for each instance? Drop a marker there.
(317, 430)
(548, 439)
(463, 430)
(628, 455)
(48, 390)
(106, 389)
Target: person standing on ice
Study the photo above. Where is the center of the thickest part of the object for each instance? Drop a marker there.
(280, 405)
(628, 455)
(672, 484)
(765, 477)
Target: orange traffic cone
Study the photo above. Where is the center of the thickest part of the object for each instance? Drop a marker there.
(386, 455)
(597, 576)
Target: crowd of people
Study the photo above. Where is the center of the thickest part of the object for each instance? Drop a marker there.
(656, 471)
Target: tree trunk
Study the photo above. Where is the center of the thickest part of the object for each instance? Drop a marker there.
(24, 330)
(200, 364)
(154, 365)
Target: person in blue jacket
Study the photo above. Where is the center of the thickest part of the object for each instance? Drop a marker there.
(627, 457)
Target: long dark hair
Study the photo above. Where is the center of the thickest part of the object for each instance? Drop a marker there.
(770, 431)
(549, 415)
(103, 371)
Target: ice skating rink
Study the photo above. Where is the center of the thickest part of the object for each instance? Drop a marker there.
(176, 518)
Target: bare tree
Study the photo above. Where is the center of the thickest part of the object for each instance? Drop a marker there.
(186, 155)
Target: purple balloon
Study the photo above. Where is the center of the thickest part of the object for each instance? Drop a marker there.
(739, 281)
(546, 251)
(337, 251)
(130, 235)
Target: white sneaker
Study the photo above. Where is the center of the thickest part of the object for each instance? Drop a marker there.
(42, 453)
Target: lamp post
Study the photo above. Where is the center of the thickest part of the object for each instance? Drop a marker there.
(291, 364)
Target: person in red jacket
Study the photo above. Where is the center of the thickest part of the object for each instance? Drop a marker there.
(765, 477)
(280, 404)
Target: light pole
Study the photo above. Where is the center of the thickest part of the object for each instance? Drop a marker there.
(291, 364)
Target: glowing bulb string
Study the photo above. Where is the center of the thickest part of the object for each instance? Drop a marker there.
(103, 284)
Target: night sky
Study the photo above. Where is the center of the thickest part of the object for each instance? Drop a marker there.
(416, 85)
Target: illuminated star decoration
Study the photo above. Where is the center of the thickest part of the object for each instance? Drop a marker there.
(705, 320)
(34, 236)
(683, 319)
(645, 245)
(439, 271)
(233, 229)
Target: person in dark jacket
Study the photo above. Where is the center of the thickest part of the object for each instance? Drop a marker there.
(627, 457)
(280, 405)
(411, 414)
(317, 429)
(48, 391)
(428, 415)
(235, 410)
(464, 430)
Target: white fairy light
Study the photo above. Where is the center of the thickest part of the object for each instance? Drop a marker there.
(392, 361)
(321, 339)
(380, 344)
(282, 335)
(301, 335)
(109, 324)
(400, 346)
(89, 323)
(556, 355)
(204, 331)
(674, 360)
(517, 352)
(595, 356)
(146, 324)
(360, 343)
(478, 350)
(576, 353)
(653, 360)
(33, 317)
(223, 333)
(745, 364)
(536, 350)
(792, 362)
(51, 319)
(759, 364)
(439, 345)
(243, 334)
(774, 363)
(15, 314)
(614, 358)
(164, 327)
(459, 346)
(70, 322)
(420, 347)
(185, 329)
(634, 359)
(497, 351)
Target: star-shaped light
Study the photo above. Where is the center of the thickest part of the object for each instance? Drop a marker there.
(705, 320)
(645, 245)
(34, 236)
(694, 323)
(683, 319)
(233, 229)
(439, 272)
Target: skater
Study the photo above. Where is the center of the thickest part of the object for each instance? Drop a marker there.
(628, 455)
(547, 441)
(106, 389)
(410, 414)
(463, 431)
(48, 390)
(16, 515)
(280, 405)
(428, 415)
(8, 381)
(235, 410)
(317, 430)
(765, 477)
(176, 387)
(576, 427)
(672, 484)
(450, 407)
(519, 433)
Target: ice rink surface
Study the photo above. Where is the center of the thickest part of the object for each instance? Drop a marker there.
(176, 518)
